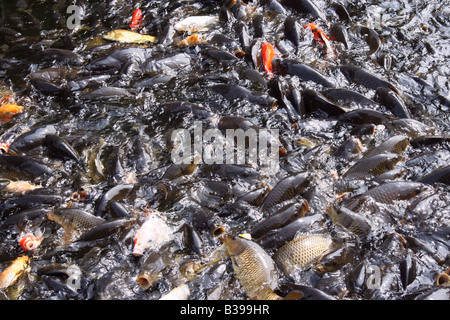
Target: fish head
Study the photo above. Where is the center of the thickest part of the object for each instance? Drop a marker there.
(29, 242)
(139, 246)
(234, 244)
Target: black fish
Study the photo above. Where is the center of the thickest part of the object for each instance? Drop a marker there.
(365, 78)
(302, 71)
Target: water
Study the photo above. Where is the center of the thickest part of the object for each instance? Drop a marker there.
(412, 55)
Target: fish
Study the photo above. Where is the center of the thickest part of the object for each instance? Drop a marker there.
(364, 116)
(105, 229)
(60, 148)
(151, 235)
(281, 217)
(396, 144)
(292, 31)
(267, 54)
(321, 37)
(254, 268)
(306, 7)
(338, 33)
(136, 19)
(31, 139)
(24, 166)
(75, 219)
(372, 38)
(392, 102)
(358, 75)
(128, 36)
(314, 102)
(10, 275)
(387, 193)
(301, 252)
(336, 259)
(439, 175)
(191, 40)
(21, 186)
(303, 71)
(29, 241)
(7, 111)
(372, 166)
(350, 220)
(286, 189)
(181, 292)
(196, 23)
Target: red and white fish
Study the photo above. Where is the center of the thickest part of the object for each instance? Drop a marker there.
(151, 235)
(29, 241)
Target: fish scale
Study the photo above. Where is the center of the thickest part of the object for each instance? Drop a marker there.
(301, 252)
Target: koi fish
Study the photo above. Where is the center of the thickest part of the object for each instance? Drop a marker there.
(137, 19)
(267, 53)
(153, 233)
(321, 37)
(128, 36)
(29, 242)
(7, 111)
(10, 275)
(191, 40)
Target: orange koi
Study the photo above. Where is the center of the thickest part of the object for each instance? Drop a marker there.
(10, 109)
(29, 242)
(137, 19)
(321, 37)
(267, 53)
(191, 40)
(10, 275)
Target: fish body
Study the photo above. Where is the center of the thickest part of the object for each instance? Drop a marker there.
(396, 144)
(10, 109)
(286, 189)
(267, 54)
(372, 166)
(393, 102)
(10, 275)
(77, 219)
(196, 23)
(254, 268)
(127, 36)
(304, 72)
(388, 193)
(321, 37)
(152, 234)
(365, 78)
(301, 252)
(136, 19)
(348, 219)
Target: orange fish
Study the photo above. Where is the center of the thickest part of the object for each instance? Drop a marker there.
(10, 275)
(320, 36)
(136, 20)
(191, 40)
(267, 53)
(29, 242)
(10, 109)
